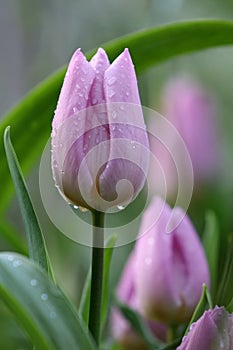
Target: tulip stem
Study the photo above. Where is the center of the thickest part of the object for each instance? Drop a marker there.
(97, 275)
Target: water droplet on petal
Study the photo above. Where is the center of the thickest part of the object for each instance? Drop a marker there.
(114, 114)
(127, 93)
(94, 101)
(120, 207)
(112, 81)
(75, 207)
(150, 240)
(148, 261)
(75, 109)
(122, 108)
(111, 93)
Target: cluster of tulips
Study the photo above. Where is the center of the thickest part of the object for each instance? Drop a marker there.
(100, 160)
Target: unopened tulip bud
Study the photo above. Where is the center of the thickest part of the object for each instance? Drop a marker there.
(213, 331)
(100, 150)
(122, 331)
(191, 109)
(171, 267)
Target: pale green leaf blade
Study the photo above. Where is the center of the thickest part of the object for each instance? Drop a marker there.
(40, 306)
(35, 240)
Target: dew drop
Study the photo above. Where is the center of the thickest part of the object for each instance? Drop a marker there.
(44, 296)
(55, 165)
(10, 258)
(112, 81)
(133, 144)
(127, 93)
(75, 207)
(114, 114)
(122, 108)
(17, 263)
(111, 93)
(150, 240)
(75, 109)
(52, 314)
(33, 282)
(97, 140)
(148, 261)
(94, 101)
(120, 207)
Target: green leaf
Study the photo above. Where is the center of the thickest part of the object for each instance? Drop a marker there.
(12, 237)
(205, 297)
(85, 299)
(40, 307)
(31, 118)
(224, 296)
(138, 324)
(211, 245)
(36, 244)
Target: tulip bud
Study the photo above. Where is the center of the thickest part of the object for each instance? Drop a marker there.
(191, 109)
(121, 329)
(213, 331)
(171, 267)
(100, 149)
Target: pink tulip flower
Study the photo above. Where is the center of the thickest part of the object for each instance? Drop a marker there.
(170, 267)
(121, 329)
(191, 109)
(100, 149)
(213, 331)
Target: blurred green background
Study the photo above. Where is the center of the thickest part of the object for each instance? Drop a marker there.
(37, 37)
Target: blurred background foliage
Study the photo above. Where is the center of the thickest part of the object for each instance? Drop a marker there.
(37, 37)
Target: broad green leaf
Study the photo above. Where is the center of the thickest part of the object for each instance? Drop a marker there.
(40, 306)
(211, 245)
(36, 244)
(85, 299)
(31, 118)
(138, 324)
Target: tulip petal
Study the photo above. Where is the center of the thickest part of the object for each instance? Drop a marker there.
(213, 331)
(75, 89)
(171, 268)
(129, 154)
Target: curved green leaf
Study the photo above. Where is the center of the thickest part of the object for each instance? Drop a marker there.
(31, 118)
(35, 239)
(40, 307)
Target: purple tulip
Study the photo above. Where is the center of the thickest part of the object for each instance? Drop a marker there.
(121, 329)
(213, 331)
(170, 267)
(100, 149)
(191, 109)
